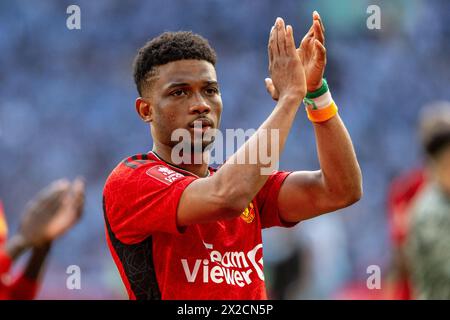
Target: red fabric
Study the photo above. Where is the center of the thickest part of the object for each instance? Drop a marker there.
(359, 291)
(401, 289)
(5, 262)
(3, 226)
(21, 288)
(266, 201)
(402, 192)
(219, 260)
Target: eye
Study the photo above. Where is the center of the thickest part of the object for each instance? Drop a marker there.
(178, 93)
(211, 91)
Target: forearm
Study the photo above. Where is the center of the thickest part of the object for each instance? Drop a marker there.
(26, 285)
(35, 265)
(341, 174)
(243, 179)
(16, 246)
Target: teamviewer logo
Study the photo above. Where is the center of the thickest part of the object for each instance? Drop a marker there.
(231, 267)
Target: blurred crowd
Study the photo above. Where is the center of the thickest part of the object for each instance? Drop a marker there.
(67, 110)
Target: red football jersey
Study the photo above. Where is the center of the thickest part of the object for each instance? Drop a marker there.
(21, 288)
(218, 260)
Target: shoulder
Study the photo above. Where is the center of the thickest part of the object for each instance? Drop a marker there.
(141, 169)
(129, 167)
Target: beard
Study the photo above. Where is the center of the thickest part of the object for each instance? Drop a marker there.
(190, 149)
(199, 145)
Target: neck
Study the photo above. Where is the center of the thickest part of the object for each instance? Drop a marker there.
(165, 153)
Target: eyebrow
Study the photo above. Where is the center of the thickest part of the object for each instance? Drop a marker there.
(184, 84)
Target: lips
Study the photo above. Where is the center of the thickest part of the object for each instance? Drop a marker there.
(204, 122)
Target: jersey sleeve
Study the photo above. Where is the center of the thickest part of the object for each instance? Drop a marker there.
(143, 200)
(23, 288)
(267, 201)
(5, 262)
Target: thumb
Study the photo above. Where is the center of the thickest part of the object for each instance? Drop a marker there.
(321, 53)
(78, 189)
(271, 89)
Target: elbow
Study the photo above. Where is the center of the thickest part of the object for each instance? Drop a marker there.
(352, 194)
(348, 194)
(355, 194)
(231, 202)
(353, 189)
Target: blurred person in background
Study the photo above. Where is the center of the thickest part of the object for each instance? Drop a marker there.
(285, 261)
(428, 241)
(52, 213)
(402, 193)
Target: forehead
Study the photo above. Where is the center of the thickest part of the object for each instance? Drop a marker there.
(185, 71)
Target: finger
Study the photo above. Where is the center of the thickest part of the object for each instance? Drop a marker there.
(281, 36)
(321, 53)
(299, 53)
(308, 36)
(271, 88)
(310, 32)
(275, 48)
(54, 190)
(269, 85)
(47, 201)
(52, 195)
(290, 42)
(318, 33)
(73, 199)
(271, 44)
(316, 16)
(78, 188)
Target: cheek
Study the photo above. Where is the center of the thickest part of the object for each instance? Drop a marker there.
(168, 115)
(217, 107)
(171, 117)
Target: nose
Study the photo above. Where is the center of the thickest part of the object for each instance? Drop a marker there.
(199, 105)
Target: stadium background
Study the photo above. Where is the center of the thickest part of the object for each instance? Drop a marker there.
(67, 109)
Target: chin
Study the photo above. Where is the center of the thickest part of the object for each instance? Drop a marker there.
(205, 146)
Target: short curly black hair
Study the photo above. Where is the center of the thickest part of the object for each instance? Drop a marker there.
(168, 47)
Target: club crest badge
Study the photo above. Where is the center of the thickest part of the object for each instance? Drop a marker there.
(248, 215)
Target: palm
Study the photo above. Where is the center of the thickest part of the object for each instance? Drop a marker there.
(68, 214)
(313, 67)
(56, 209)
(313, 54)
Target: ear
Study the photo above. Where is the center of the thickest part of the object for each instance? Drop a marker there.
(144, 109)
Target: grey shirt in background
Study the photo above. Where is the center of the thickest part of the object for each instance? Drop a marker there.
(428, 244)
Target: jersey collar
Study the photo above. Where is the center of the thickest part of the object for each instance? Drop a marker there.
(178, 168)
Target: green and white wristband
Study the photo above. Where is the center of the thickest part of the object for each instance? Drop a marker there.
(319, 104)
(319, 99)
